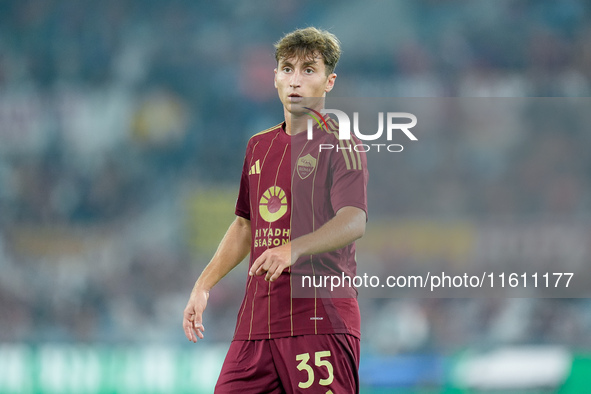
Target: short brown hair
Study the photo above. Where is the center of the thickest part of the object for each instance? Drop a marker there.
(305, 43)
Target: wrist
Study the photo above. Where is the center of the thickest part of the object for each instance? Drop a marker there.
(200, 288)
(296, 250)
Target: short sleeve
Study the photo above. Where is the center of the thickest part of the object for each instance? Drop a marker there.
(349, 179)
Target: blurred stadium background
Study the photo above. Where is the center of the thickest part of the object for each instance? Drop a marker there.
(122, 131)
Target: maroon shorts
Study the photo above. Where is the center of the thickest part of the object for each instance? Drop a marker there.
(303, 364)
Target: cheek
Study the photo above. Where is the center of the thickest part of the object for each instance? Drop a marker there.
(279, 83)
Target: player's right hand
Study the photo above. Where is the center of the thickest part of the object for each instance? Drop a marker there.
(193, 315)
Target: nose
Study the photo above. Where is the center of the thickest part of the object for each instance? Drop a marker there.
(295, 79)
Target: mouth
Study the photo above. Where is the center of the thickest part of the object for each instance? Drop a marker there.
(294, 98)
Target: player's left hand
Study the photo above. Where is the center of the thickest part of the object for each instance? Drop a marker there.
(273, 261)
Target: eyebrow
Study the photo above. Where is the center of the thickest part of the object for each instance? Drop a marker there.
(308, 63)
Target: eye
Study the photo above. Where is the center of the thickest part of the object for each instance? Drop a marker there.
(286, 69)
(309, 71)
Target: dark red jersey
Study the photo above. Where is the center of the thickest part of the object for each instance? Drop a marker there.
(289, 188)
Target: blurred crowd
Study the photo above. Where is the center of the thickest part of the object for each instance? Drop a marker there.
(114, 113)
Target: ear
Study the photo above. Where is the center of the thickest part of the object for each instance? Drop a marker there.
(275, 78)
(330, 82)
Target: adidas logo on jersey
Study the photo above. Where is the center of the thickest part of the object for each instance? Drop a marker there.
(255, 169)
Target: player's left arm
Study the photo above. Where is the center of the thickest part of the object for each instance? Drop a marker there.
(344, 228)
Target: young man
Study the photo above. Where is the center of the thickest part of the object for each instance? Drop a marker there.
(299, 211)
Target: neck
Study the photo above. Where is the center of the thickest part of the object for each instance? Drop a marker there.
(295, 124)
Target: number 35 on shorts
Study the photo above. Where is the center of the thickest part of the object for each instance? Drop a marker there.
(320, 361)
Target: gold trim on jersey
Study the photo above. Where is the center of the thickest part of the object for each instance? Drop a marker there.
(311, 258)
(351, 156)
(254, 297)
(269, 309)
(293, 174)
(268, 130)
(241, 313)
(256, 168)
(277, 187)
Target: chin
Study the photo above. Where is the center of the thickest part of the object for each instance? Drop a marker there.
(296, 108)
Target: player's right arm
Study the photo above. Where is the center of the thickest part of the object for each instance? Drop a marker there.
(233, 248)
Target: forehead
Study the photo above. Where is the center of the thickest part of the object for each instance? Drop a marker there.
(303, 58)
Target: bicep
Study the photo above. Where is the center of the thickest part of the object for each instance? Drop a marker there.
(353, 217)
(242, 226)
(242, 223)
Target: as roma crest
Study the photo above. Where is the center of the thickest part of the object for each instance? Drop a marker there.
(306, 166)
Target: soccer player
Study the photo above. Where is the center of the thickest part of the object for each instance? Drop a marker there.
(299, 211)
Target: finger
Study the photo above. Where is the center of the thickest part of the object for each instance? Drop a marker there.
(194, 333)
(276, 274)
(257, 263)
(193, 326)
(270, 272)
(187, 318)
(199, 329)
(264, 268)
(188, 331)
(270, 263)
(197, 326)
(261, 265)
